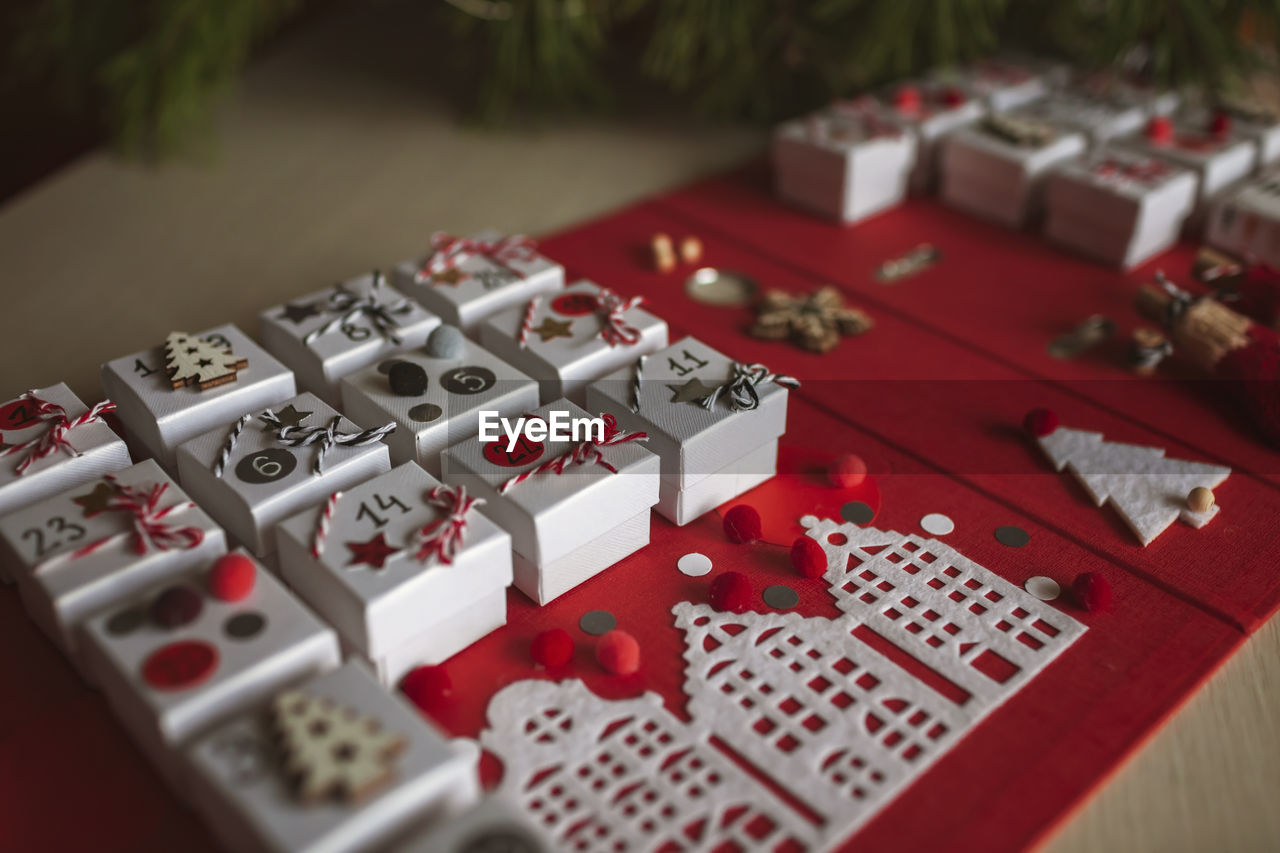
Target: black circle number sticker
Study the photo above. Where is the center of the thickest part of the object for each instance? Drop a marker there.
(468, 380)
(266, 466)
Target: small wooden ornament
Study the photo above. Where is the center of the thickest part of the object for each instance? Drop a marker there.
(691, 250)
(664, 253)
(814, 321)
(188, 360)
(1200, 499)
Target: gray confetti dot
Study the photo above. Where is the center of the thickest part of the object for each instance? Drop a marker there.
(125, 622)
(780, 597)
(597, 622)
(857, 512)
(1043, 588)
(445, 342)
(1014, 537)
(425, 412)
(385, 367)
(694, 565)
(244, 626)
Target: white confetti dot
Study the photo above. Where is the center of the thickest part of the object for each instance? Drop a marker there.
(1043, 588)
(807, 521)
(694, 565)
(937, 524)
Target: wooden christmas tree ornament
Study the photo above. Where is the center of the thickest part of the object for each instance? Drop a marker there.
(191, 361)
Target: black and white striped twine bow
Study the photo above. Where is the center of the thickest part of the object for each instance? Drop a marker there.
(348, 307)
(325, 437)
(741, 392)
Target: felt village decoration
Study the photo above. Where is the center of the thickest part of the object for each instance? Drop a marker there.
(192, 361)
(814, 321)
(465, 280)
(268, 466)
(158, 416)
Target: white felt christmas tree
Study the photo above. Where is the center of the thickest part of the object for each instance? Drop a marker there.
(191, 361)
(1146, 488)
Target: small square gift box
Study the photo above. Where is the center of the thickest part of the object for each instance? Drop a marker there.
(330, 763)
(191, 384)
(1245, 221)
(996, 168)
(578, 335)
(1119, 207)
(466, 279)
(50, 442)
(575, 501)
(714, 421)
(93, 545)
(1240, 118)
(404, 567)
(328, 334)
(931, 109)
(199, 647)
(1002, 84)
(1099, 118)
(266, 467)
(1119, 87)
(435, 394)
(847, 163)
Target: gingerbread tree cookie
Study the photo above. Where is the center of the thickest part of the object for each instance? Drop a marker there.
(191, 361)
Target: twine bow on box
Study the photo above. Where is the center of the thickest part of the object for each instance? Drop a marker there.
(585, 453)
(381, 313)
(448, 252)
(55, 437)
(324, 437)
(740, 391)
(443, 537)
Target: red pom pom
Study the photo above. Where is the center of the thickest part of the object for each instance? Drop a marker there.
(742, 524)
(232, 577)
(808, 558)
(1160, 130)
(847, 472)
(907, 99)
(427, 686)
(553, 647)
(1092, 592)
(953, 96)
(730, 592)
(618, 653)
(1220, 124)
(1040, 422)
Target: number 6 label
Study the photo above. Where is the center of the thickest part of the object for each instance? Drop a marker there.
(266, 466)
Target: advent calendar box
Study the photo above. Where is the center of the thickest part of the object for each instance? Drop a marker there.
(1219, 159)
(187, 653)
(996, 169)
(930, 110)
(1241, 119)
(709, 454)
(98, 543)
(50, 442)
(160, 412)
(408, 571)
(1122, 88)
(1002, 84)
(258, 471)
(1245, 221)
(327, 334)
(466, 279)
(573, 507)
(265, 779)
(576, 336)
(1119, 207)
(435, 400)
(846, 163)
(1099, 118)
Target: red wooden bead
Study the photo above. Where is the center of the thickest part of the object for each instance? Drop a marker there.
(907, 98)
(742, 524)
(618, 652)
(427, 686)
(552, 647)
(808, 558)
(730, 592)
(1040, 422)
(953, 96)
(1092, 592)
(1220, 124)
(232, 577)
(1160, 129)
(847, 471)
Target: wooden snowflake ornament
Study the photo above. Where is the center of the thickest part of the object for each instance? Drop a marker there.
(188, 360)
(814, 321)
(331, 751)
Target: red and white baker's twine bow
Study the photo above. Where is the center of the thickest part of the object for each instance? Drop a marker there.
(443, 537)
(608, 306)
(1143, 171)
(866, 111)
(55, 437)
(326, 437)
(740, 390)
(322, 525)
(586, 453)
(149, 527)
(373, 306)
(449, 252)
(526, 323)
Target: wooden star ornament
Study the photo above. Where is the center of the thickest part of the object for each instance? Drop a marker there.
(553, 329)
(453, 275)
(814, 321)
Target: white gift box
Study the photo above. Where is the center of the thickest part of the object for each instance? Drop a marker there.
(709, 455)
(168, 682)
(999, 177)
(494, 824)
(464, 280)
(101, 542)
(1119, 207)
(1099, 118)
(462, 380)
(1218, 159)
(573, 337)
(159, 417)
(49, 442)
(327, 334)
(1125, 89)
(243, 790)
(931, 110)
(264, 474)
(393, 607)
(1240, 120)
(1246, 220)
(1002, 84)
(565, 527)
(846, 163)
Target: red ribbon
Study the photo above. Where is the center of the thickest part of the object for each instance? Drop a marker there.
(56, 436)
(449, 251)
(610, 308)
(149, 526)
(1144, 171)
(443, 537)
(586, 453)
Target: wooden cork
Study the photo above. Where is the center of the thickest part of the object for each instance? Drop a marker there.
(1204, 333)
(664, 253)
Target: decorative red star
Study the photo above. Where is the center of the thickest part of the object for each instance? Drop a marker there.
(373, 553)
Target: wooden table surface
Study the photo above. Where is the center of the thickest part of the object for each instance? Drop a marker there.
(332, 159)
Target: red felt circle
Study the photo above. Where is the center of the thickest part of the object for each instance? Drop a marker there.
(427, 687)
(618, 652)
(524, 452)
(847, 471)
(553, 647)
(730, 592)
(232, 577)
(180, 665)
(574, 304)
(1092, 592)
(1160, 129)
(1040, 422)
(742, 524)
(808, 558)
(17, 414)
